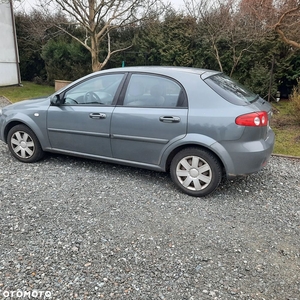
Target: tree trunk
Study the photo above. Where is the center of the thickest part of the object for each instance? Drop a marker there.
(217, 56)
(96, 65)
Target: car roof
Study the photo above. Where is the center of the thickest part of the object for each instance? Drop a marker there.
(172, 71)
(163, 69)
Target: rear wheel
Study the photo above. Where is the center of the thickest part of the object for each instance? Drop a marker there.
(196, 171)
(24, 145)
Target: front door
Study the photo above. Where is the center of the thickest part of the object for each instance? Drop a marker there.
(81, 125)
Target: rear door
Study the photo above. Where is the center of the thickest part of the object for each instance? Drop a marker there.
(151, 115)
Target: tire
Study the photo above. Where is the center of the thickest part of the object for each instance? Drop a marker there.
(197, 172)
(24, 145)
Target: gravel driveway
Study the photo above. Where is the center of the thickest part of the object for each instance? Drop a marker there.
(79, 229)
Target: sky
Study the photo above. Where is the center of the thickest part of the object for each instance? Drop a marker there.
(28, 4)
(178, 4)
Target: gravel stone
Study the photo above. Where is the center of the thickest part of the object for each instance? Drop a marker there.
(4, 101)
(83, 229)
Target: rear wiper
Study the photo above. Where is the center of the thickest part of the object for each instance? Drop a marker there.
(255, 99)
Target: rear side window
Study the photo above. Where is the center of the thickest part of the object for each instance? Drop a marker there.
(231, 90)
(145, 90)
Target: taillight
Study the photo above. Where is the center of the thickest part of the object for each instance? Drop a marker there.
(256, 119)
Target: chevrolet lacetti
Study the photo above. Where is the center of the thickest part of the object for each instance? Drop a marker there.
(196, 124)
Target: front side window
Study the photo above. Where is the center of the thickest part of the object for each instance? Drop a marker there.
(97, 90)
(231, 90)
(152, 91)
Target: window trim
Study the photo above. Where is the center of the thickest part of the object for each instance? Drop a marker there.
(62, 95)
(184, 101)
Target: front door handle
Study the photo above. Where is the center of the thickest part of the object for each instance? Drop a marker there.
(97, 116)
(169, 119)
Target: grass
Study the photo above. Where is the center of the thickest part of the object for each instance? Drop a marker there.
(286, 128)
(28, 90)
(284, 123)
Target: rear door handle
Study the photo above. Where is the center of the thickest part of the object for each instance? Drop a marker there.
(97, 116)
(169, 119)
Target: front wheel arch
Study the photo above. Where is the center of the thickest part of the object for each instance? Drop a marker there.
(24, 144)
(9, 127)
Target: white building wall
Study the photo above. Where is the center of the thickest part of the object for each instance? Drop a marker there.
(9, 58)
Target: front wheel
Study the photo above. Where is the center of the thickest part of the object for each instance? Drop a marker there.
(196, 171)
(23, 144)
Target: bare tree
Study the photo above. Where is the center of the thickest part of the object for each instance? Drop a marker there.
(206, 12)
(99, 18)
(283, 16)
(288, 22)
(222, 20)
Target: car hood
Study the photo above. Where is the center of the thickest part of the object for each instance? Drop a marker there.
(25, 104)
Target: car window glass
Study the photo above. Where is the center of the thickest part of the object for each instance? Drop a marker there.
(152, 91)
(97, 90)
(231, 90)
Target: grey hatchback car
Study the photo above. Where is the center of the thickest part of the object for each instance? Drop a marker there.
(196, 124)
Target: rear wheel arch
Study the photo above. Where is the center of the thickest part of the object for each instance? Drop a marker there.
(182, 147)
(195, 170)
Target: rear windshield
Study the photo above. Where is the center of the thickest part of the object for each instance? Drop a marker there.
(231, 90)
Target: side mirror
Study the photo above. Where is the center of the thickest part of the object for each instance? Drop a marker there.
(56, 101)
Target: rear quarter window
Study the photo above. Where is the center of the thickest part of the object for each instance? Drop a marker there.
(231, 90)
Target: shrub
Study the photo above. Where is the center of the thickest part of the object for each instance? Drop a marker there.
(38, 80)
(295, 99)
(65, 60)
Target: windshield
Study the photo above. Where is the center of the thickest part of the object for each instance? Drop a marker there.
(231, 90)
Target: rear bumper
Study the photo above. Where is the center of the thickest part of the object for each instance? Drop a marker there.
(245, 158)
